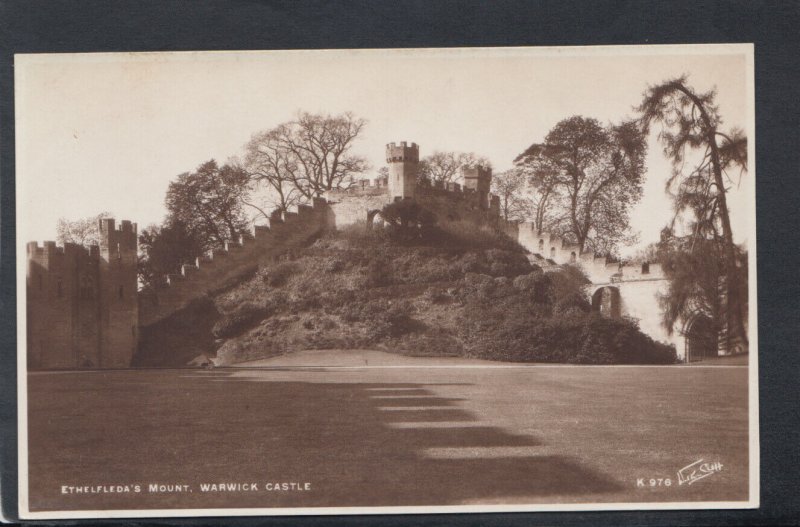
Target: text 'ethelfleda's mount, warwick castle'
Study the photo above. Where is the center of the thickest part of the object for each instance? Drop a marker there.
(84, 309)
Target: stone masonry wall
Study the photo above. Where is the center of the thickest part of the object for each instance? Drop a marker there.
(81, 303)
(225, 267)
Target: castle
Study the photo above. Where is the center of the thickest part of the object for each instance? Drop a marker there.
(472, 201)
(82, 305)
(84, 310)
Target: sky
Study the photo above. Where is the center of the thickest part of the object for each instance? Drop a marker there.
(108, 132)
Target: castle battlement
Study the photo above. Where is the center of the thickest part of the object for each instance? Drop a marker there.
(600, 269)
(123, 237)
(401, 153)
(477, 178)
(82, 301)
(216, 269)
(365, 198)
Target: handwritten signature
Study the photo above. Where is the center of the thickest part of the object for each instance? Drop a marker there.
(697, 471)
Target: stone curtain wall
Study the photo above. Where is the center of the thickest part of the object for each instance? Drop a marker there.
(225, 267)
(83, 308)
(638, 285)
(349, 207)
(82, 302)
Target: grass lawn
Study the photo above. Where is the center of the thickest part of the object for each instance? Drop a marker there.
(445, 432)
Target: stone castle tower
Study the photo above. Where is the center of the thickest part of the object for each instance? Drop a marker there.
(479, 180)
(403, 163)
(82, 309)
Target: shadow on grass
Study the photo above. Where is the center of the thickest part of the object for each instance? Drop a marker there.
(358, 444)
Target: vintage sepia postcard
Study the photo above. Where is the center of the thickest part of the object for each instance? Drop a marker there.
(386, 281)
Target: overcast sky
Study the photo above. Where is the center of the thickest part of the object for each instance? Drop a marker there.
(102, 132)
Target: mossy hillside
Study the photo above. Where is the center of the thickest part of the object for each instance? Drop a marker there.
(456, 290)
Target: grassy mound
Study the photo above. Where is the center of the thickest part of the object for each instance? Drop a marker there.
(450, 289)
(457, 290)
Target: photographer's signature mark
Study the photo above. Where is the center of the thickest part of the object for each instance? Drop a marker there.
(697, 471)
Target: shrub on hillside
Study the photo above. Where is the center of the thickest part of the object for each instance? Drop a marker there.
(379, 273)
(334, 265)
(467, 234)
(387, 319)
(279, 274)
(503, 262)
(436, 295)
(243, 317)
(535, 285)
(407, 219)
(620, 341)
(546, 317)
(572, 337)
(358, 235)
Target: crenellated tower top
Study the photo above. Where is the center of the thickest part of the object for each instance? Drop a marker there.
(403, 162)
(402, 153)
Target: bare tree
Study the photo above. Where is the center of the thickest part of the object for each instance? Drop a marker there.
(271, 165)
(511, 187)
(690, 123)
(83, 231)
(594, 173)
(320, 149)
(547, 211)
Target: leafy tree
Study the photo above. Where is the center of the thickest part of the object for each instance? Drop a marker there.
(646, 254)
(691, 132)
(512, 189)
(445, 167)
(208, 203)
(162, 251)
(694, 271)
(594, 173)
(83, 231)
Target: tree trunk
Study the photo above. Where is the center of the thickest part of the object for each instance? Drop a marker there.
(731, 271)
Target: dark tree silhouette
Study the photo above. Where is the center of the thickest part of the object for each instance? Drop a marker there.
(162, 250)
(208, 202)
(690, 129)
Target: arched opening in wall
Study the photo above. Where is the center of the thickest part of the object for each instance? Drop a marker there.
(606, 301)
(646, 268)
(572, 257)
(701, 338)
(552, 252)
(541, 246)
(371, 218)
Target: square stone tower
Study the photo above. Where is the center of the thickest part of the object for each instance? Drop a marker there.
(119, 306)
(403, 163)
(478, 179)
